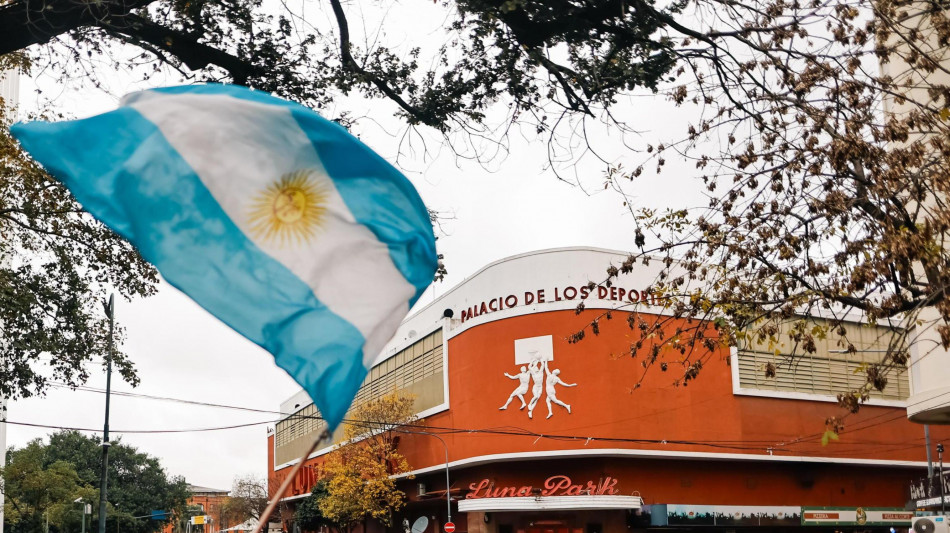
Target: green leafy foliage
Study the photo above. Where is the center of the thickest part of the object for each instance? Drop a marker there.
(308, 514)
(56, 264)
(360, 473)
(827, 436)
(37, 490)
(47, 477)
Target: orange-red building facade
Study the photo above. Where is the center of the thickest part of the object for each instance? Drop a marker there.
(633, 445)
(204, 501)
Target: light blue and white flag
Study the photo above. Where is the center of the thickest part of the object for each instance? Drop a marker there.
(275, 220)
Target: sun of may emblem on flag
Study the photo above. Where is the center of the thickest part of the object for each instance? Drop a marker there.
(292, 208)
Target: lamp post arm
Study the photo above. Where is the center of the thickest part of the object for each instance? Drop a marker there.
(448, 485)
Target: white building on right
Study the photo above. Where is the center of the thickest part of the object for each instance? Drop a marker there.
(929, 365)
(10, 93)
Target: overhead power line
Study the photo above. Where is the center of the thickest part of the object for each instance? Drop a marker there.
(772, 446)
(130, 431)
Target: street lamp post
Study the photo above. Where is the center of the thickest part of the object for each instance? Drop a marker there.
(82, 509)
(448, 486)
(943, 496)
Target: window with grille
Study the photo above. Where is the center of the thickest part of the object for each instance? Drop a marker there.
(831, 370)
(417, 369)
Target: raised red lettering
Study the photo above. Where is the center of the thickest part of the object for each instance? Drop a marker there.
(557, 298)
(602, 293)
(621, 293)
(585, 292)
(511, 300)
(476, 488)
(559, 485)
(464, 315)
(541, 296)
(554, 484)
(633, 296)
(608, 486)
(483, 309)
(505, 492)
(493, 304)
(528, 298)
(613, 293)
(570, 293)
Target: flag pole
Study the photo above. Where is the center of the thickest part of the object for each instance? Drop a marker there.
(325, 434)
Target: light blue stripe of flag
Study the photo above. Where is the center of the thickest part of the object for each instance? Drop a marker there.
(123, 170)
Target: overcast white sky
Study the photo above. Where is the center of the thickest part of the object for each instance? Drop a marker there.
(182, 352)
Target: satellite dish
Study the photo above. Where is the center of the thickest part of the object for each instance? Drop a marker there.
(420, 525)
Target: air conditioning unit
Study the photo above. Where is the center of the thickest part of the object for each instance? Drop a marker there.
(930, 524)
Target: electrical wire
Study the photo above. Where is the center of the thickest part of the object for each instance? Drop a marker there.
(130, 431)
(738, 445)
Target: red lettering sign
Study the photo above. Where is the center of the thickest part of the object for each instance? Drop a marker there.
(897, 516)
(559, 485)
(821, 516)
(617, 294)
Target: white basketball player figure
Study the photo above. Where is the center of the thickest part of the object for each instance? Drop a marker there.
(536, 368)
(553, 381)
(525, 378)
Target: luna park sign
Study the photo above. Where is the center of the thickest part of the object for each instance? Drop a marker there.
(559, 485)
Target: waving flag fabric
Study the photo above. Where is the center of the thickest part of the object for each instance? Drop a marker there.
(275, 220)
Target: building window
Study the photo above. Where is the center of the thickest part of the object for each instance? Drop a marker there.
(832, 369)
(417, 370)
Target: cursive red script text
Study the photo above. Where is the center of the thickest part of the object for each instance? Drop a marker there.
(553, 486)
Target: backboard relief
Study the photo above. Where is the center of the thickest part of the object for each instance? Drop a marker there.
(536, 357)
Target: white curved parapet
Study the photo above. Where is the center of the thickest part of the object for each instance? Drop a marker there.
(929, 401)
(538, 503)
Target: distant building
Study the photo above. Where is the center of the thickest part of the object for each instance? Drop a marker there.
(607, 448)
(202, 502)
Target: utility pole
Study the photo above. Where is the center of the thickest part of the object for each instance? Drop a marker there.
(930, 464)
(104, 476)
(943, 496)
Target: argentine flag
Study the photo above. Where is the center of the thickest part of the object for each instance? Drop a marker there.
(275, 220)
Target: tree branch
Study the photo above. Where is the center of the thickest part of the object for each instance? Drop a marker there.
(350, 64)
(27, 22)
(194, 54)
